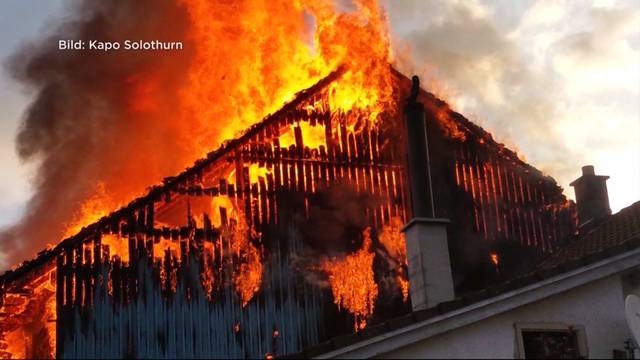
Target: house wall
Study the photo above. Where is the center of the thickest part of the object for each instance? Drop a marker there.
(598, 306)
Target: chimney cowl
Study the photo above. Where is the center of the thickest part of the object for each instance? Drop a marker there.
(588, 170)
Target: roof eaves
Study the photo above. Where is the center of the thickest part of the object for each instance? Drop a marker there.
(470, 302)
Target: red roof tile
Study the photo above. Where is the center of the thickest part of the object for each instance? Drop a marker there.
(617, 230)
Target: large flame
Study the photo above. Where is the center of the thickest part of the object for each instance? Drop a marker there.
(30, 328)
(248, 59)
(352, 281)
(393, 241)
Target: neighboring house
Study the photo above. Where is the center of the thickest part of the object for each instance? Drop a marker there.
(572, 306)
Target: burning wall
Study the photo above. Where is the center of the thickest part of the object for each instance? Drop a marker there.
(498, 203)
(137, 117)
(229, 239)
(247, 237)
(275, 224)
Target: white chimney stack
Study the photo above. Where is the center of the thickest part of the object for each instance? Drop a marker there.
(430, 279)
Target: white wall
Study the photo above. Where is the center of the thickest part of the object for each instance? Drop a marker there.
(598, 306)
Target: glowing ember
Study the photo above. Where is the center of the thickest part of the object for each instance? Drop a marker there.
(449, 126)
(30, 328)
(494, 258)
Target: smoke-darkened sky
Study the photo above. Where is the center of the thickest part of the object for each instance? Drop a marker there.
(558, 80)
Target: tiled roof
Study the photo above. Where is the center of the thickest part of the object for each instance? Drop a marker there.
(47, 255)
(620, 228)
(619, 234)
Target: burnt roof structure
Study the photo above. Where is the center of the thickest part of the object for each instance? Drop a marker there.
(617, 235)
(233, 238)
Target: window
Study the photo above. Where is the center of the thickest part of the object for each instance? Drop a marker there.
(550, 341)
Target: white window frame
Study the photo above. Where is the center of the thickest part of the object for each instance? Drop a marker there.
(580, 331)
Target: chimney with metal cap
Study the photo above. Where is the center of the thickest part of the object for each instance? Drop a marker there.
(430, 279)
(592, 198)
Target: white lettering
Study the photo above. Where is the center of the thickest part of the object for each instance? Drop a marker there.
(104, 45)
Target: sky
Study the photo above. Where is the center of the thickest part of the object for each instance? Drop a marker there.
(20, 21)
(558, 81)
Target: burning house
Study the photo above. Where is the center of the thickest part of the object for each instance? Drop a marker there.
(287, 236)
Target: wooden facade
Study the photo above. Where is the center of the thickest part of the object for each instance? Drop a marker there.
(172, 273)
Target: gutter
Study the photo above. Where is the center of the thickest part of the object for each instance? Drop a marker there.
(407, 335)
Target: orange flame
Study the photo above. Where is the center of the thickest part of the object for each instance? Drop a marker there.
(248, 276)
(30, 328)
(95, 207)
(393, 241)
(352, 282)
(243, 68)
(494, 258)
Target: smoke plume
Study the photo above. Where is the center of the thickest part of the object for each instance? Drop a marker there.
(554, 80)
(90, 107)
(480, 70)
(103, 125)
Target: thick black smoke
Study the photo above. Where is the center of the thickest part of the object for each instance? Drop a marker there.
(91, 119)
(337, 217)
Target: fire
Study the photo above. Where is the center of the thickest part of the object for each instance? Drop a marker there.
(243, 68)
(96, 206)
(251, 58)
(242, 71)
(393, 241)
(352, 282)
(449, 126)
(35, 337)
(246, 257)
(248, 275)
(270, 64)
(256, 172)
(494, 258)
(117, 246)
(313, 136)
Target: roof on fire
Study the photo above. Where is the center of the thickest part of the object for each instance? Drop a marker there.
(168, 183)
(12, 277)
(619, 235)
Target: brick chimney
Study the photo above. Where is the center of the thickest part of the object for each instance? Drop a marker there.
(592, 198)
(430, 279)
